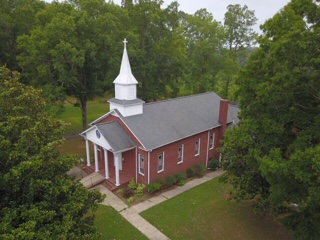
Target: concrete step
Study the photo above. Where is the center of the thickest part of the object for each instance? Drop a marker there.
(91, 180)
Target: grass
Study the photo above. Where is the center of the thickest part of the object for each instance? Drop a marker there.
(111, 225)
(204, 213)
(72, 114)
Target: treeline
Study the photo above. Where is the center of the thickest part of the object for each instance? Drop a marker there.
(74, 48)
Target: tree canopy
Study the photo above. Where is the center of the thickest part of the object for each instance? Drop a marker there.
(273, 155)
(73, 48)
(37, 198)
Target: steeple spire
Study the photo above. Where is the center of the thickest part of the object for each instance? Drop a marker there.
(125, 76)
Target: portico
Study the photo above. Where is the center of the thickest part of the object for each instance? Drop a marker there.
(111, 148)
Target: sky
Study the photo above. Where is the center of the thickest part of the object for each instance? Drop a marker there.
(263, 9)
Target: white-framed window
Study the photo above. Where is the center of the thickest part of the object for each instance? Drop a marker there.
(180, 153)
(211, 141)
(197, 147)
(160, 162)
(141, 164)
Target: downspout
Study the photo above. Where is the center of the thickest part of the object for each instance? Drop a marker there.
(148, 167)
(136, 165)
(208, 148)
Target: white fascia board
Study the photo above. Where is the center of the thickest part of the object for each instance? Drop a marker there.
(91, 136)
(102, 117)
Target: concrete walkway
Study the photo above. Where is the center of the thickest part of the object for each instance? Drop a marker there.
(132, 213)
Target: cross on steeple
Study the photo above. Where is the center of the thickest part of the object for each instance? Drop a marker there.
(125, 43)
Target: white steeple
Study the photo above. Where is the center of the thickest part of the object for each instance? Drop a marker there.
(125, 76)
(126, 101)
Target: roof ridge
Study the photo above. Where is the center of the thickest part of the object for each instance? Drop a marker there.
(178, 98)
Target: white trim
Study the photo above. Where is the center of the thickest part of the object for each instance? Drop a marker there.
(162, 162)
(213, 137)
(116, 115)
(148, 167)
(199, 144)
(139, 158)
(208, 149)
(136, 165)
(182, 153)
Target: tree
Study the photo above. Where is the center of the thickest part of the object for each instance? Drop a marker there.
(239, 37)
(38, 199)
(238, 23)
(204, 38)
(69, 52)
(274, 153)
(16, 18)
(157, 51)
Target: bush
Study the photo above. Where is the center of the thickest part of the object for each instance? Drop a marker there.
(132, 184)
(128, 193)
(161, 181)
(180, 176)
(120, 191)
(199, 169)
(153, 187)
(170, 181)
(139, 190)
(130, 199)
(181, 182)
(190, 172)
(213, 164)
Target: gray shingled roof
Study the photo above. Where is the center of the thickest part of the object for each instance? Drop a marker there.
(168, 121)
(116, 136)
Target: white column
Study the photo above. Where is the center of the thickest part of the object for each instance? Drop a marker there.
(117, 159)
(88, 153)
(106, 167)
(96, 157)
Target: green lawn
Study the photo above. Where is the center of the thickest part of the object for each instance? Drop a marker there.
(204, 213)
(72, 114)
(111, 225)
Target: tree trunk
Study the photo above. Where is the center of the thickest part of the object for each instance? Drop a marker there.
(83, 107)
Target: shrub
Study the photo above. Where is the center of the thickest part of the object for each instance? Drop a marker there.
(130, 199)
(139, 190)
(213, 164)
(128, 193)
(199, 169)
(190, 172)
(153, 187)
(120, 191)
(180, 176)
(181, 182)
(160, 181)
(170, 181)
(132, 184)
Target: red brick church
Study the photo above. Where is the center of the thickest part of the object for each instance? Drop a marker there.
(146, 141)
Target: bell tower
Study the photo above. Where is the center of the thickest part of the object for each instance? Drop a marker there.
(126, 101)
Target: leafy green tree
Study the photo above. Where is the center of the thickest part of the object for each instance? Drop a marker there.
(157, 51)
(239, 36)
(238, 23)
(274, 153)
(71, 47)
(204, 37)
(16, 18)
(37, 199)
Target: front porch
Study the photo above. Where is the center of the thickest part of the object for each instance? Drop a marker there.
(110, 182)
(117, 168)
